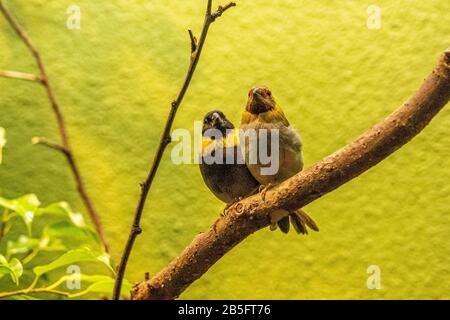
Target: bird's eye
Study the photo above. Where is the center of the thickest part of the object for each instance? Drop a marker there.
(269, 93)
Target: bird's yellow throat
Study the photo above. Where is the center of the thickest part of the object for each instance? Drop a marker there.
(271, 116)
(231, 139)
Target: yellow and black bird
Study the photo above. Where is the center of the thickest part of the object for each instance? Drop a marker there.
(263, 113)
(229, 178)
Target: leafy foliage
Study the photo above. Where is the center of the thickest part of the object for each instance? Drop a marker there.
(14, 268)
(65, 228)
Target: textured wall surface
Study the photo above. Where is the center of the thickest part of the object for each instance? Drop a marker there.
(334, 77)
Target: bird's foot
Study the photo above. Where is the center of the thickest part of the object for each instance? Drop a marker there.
(273, 226)
(263, 190)
(229, 205)
(214, 226)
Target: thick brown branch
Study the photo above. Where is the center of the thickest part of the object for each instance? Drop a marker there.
(252, 214)
(19, 75)
(164, 141)
(66, 147)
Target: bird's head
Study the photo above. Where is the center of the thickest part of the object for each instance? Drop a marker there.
(260, 100)
(216, 120)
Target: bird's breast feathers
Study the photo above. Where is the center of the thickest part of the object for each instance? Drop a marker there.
(209, 144)
(272, 116)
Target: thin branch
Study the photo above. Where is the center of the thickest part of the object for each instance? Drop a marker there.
(165, 140)
(20, 75)
(193, 41)
(31, 291)
(252, 214)
(221, 10)
(47, 143)
(95, 217)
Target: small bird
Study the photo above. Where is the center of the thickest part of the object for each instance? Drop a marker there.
(230, 180)
(262, 112)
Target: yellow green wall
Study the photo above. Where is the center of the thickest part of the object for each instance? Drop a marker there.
(334, 77)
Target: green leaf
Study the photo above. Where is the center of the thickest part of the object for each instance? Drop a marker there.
(32, 246)
(17, 270)
(22, 245)
(63, 209)
(8, 204)
(47, 244)
(2, 142)
(25, 203)
(58, 208)
(14, 268)
(66, 229)
(99, 284)
(103, 284)
(92, 278)
(80, 277)
(25, 207)
(71, 257)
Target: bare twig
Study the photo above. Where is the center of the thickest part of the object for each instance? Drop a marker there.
(20, 75)
(220, 10)
(34, 290)
(47, 143)
(66, 147)
(165, 140)
(252, 214)
(193, 41)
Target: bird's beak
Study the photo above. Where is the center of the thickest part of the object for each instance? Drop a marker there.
(257, 103)
(257, 96)
(219, 123)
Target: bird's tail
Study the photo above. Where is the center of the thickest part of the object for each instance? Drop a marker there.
(299, 220)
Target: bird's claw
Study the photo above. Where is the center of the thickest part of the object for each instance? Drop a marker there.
(229, 205)
(263, 190)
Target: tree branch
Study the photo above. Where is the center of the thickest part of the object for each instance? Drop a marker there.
(31, 291)
(252, 214)
(47, 143)
(164, 141)
(66, 147)
(19, 75)
(193, 41)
